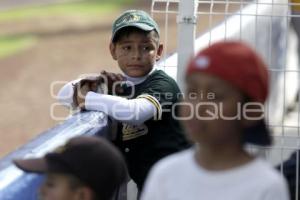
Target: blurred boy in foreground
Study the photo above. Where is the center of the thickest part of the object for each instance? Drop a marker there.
(227, 85)
(86, 168)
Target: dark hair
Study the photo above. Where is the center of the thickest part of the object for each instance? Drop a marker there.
(258, 133)
(125, 32)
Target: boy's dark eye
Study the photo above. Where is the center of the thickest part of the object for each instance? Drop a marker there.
(147, 48)
(191, 89)
(126, 47)
(217, 97)
(49, 183)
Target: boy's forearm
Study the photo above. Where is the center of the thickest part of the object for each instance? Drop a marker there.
(134, 111)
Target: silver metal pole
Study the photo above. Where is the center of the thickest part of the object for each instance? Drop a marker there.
(186, 21)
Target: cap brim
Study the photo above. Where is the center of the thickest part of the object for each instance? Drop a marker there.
(141, 26)
(32, 165)
(258, 134)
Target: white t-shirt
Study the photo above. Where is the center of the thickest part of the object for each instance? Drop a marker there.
(179, 177)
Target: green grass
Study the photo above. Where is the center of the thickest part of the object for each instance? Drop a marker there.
(82, 8)
(11, 45)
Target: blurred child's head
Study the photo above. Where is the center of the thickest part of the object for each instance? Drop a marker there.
(227, 85)
(135, 43)
(87, 168)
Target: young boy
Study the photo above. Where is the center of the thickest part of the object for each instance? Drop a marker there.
(147, 130)
(227, 85)
(86, 168)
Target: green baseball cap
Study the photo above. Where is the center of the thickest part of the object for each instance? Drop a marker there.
(134, 18)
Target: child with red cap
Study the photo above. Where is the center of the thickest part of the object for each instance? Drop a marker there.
(226, 87)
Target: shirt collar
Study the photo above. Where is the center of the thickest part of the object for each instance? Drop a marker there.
(137, 80)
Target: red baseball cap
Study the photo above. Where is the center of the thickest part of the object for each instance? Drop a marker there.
(240, 66)
(236, 63)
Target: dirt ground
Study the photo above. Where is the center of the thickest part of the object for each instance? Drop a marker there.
(67, 48)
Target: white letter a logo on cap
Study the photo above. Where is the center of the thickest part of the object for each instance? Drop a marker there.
(202, 62)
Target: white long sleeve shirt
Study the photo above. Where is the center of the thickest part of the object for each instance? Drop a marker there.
(130, 111)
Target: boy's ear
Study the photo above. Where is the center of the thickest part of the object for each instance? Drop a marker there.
(112, 48)
(159, 51)
(248, 123)
(85, 193)
(252, 114)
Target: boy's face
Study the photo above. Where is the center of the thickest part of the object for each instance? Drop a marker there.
(211, 102)
(136, 53)
(59, 187)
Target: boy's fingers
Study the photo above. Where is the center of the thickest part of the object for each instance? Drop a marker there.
(81, 98)
(89, 78)
(113, 77)
(120, 77)
(119, 90)
(79, 90)
(91, 81)
(93, 86)
(75, 95)
(117, 77)
(106, 74)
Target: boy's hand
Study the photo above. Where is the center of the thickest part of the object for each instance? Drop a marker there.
(83, 87)
(113, 78)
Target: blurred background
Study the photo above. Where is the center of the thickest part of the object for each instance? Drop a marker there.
(47, 41)
(43, 41)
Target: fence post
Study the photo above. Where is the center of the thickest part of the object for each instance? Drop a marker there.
(186, 21)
